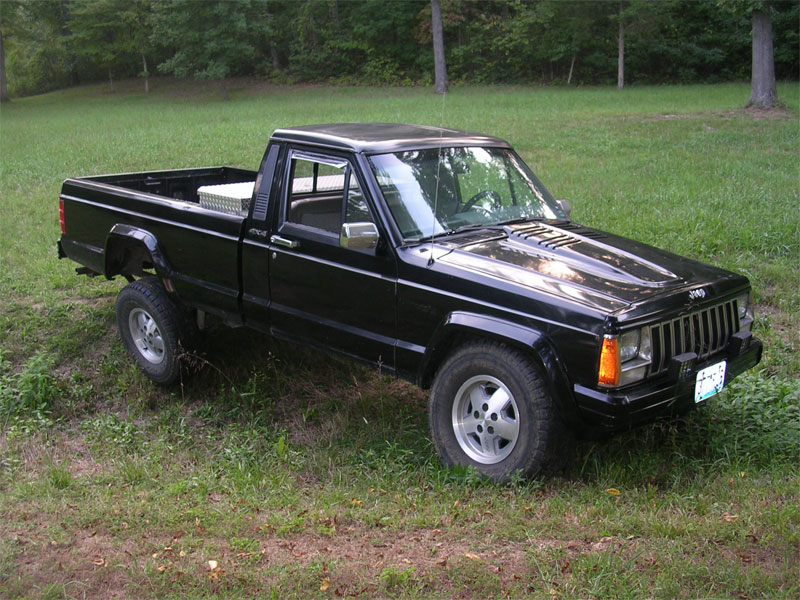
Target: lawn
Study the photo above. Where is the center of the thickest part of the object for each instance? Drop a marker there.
(276, 472)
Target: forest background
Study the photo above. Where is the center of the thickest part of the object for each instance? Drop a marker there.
(52, 44)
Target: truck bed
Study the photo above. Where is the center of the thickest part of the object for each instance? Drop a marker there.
(199, 245)
(179, 184)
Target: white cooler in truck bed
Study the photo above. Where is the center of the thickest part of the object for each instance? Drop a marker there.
(231, 198)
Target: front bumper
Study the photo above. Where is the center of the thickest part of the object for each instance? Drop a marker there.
(604, 410)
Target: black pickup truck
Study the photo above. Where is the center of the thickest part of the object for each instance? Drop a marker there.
(435, 253)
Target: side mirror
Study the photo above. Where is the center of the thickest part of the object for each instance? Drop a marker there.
(359, 236)
(565, 206)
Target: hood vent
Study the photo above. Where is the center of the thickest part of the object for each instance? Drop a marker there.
(550, 237)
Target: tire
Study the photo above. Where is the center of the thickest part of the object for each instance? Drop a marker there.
(490, 407)
(151, 328)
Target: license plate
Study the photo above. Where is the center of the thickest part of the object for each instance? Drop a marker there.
(709, 381)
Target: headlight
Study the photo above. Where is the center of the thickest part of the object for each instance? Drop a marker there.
(625, 358)
(629, 345)
(744, 304)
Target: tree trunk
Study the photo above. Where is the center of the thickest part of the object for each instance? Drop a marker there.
(439, 65)
(224, 84)
(146, 75)
(111, 81)
(335, 13)
(66, 33)
(764, 93)
(276, 59)
(571, 67)
(621, 56)
(3, 87)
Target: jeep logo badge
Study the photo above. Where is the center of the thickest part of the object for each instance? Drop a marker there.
(697, 294)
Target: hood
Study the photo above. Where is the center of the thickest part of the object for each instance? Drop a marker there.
(585, 265)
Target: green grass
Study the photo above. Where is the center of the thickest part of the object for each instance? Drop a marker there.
(307, 477)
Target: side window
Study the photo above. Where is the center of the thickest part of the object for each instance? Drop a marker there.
(316, 194)
(357, 210)
(323, 194)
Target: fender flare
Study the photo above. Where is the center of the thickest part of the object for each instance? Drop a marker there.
(532, 342)
(127, 235)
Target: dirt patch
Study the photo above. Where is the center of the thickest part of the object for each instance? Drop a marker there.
(92, 565)
(779, 324)
(758, 114)
(91, 302)
(92, 356)
(779, 321)
(776, 112)
(355, 560)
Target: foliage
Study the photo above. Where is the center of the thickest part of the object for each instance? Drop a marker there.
(35, 47)
(111, 34)
(50, 42)
(206, 40)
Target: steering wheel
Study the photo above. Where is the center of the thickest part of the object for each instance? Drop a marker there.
(491, 194)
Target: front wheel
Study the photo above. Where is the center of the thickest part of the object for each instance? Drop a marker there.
(150, 328)
(490, 407)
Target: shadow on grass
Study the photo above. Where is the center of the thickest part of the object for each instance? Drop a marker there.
(318, 403)
(332, 410)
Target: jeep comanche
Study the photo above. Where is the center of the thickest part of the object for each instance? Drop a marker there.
(435, 253)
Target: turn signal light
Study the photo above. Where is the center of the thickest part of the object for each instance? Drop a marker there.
(609, 371)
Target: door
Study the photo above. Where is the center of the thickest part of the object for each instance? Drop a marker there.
(321, 292)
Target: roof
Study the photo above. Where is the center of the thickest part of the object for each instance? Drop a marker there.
(376, 138)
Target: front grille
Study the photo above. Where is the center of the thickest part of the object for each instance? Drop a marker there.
(704, 332)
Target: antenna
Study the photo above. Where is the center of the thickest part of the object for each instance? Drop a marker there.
(436, 190)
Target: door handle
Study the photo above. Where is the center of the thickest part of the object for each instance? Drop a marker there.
(281, 241)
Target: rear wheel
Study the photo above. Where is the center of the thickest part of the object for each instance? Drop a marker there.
(150, 326)
(490, 407)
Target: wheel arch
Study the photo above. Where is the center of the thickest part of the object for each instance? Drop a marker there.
(462, 327)
(130, 250)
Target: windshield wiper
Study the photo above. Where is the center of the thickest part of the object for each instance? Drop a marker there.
(500, 224)
(470, 227)
(475, 227)
(519, 220)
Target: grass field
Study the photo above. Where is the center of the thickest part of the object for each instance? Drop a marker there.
(276, 472)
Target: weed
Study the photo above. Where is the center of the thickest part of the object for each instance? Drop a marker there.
(111, 434)
(27, 397)
(393, 577)
(59, 477)
(132, 472)
(758, 418)
(8, 551)
(53, 591)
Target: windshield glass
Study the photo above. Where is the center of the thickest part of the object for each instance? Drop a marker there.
(477, 187)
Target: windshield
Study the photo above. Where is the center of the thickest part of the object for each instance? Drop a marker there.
(446, 190)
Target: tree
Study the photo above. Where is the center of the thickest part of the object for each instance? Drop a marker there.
(3, 86)
(34, 46)
(763, 90)
(46, 44)
(439, 64)
(136, 14)
(621, 49)
(206, 40)
(8, 14)
(97, 34)
(764, 93)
